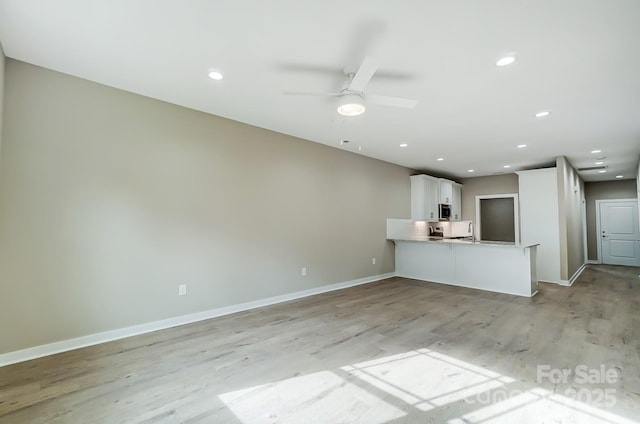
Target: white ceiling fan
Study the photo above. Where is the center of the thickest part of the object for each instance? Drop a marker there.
(352, 94)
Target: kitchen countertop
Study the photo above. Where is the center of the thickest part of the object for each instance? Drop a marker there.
(466, 241)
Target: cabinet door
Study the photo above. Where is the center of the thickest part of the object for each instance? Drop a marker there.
(433, 199)
(456, 202)
(419, 194)
(424, 198)
(446, 187)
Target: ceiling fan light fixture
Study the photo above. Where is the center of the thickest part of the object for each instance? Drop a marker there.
(351, 105)
(351, 109)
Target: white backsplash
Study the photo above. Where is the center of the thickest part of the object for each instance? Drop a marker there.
(406, 228)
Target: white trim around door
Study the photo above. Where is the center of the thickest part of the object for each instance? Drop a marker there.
(598, 224)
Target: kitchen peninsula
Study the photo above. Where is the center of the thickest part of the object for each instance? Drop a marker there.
(494, 266)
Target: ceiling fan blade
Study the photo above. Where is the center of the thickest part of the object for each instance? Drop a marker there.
(391, 101)
(304, 93)
(336, 70)
(366, 70)
(314, 69)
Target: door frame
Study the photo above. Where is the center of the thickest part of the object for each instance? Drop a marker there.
(598, 238)
(516, 212)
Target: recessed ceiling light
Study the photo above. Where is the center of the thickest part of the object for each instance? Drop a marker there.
(542, 114)
(471, 170)
(504, 61)
(599, 163)
(404, 145)
(596, 151)
(215, 75)
(521, 146)
(602, 171)
(619, 176)
(440, 159)
(507, 166)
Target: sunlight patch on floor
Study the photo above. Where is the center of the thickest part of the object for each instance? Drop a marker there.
(414, 383)
(426, 379)
(318, 397)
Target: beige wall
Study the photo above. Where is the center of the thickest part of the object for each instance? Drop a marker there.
(109, 200)
(603, 190)
(2, 61)
(495, 184)
(571, 218)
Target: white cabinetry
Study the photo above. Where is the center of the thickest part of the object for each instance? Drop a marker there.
(446, 188)
(456, 202)
(424, 198)
(450, 194)
(427, 192)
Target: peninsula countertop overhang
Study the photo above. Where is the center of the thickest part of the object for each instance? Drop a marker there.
(441, 240)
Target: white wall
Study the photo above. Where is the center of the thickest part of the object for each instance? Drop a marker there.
(109, 200)
(539, 219)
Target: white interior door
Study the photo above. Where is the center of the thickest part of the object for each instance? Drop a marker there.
(620, 232)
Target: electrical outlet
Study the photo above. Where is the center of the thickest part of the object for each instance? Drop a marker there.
(182, 290)
(373, 261)
(303, 271)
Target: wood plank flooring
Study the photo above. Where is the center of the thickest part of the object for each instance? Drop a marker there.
(398, 350)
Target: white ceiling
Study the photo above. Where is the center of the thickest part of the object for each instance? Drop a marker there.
(579, 59)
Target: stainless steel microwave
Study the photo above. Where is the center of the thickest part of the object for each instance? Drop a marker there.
(444, 212)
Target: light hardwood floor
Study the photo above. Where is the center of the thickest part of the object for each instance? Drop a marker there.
(393, 351)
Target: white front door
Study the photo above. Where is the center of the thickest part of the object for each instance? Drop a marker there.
(620, 232)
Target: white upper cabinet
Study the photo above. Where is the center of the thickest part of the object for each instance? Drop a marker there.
(424, 198)
(427, 192)
(446, 191)
(456, 202)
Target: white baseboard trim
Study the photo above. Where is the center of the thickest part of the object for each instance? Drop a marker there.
(121, 333)
(550, 282)
(574, 277)
(593, 262)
